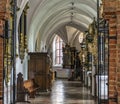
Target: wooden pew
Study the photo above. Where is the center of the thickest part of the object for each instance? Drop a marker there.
(31, 87)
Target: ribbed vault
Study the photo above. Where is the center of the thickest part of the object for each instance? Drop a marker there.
(49, 17)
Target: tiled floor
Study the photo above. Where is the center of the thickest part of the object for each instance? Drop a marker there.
(64, 92)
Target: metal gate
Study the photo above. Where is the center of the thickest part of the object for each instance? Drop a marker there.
(103, 61)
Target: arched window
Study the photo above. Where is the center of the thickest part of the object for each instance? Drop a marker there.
(58, 54)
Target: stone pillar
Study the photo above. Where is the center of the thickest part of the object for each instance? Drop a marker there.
(112, 7)
(112, 55)
(1, 60)
(109, 13)
(4, 14)
(118, 48)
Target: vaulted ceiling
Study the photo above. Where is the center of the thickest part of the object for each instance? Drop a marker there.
(67, 18)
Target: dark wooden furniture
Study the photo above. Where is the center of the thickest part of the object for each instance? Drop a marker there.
(20, 88)
(21, 92)
(38, 69)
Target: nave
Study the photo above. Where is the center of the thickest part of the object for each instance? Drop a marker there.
(64, 92)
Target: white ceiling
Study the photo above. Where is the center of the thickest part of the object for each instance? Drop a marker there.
(67, 18)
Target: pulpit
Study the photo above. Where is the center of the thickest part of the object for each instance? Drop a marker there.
(38, 69)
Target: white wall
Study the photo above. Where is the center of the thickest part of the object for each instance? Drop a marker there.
(22, 67)
(62, 73)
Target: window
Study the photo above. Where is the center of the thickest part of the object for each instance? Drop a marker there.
(58, 43)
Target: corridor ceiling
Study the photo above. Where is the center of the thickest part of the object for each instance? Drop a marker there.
(67, 18)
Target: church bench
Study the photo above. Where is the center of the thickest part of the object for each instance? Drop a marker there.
(31, 87)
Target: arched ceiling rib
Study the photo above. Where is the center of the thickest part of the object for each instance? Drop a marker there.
(53, 23)
(50, 15)
(65, 39)
(62, 33)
